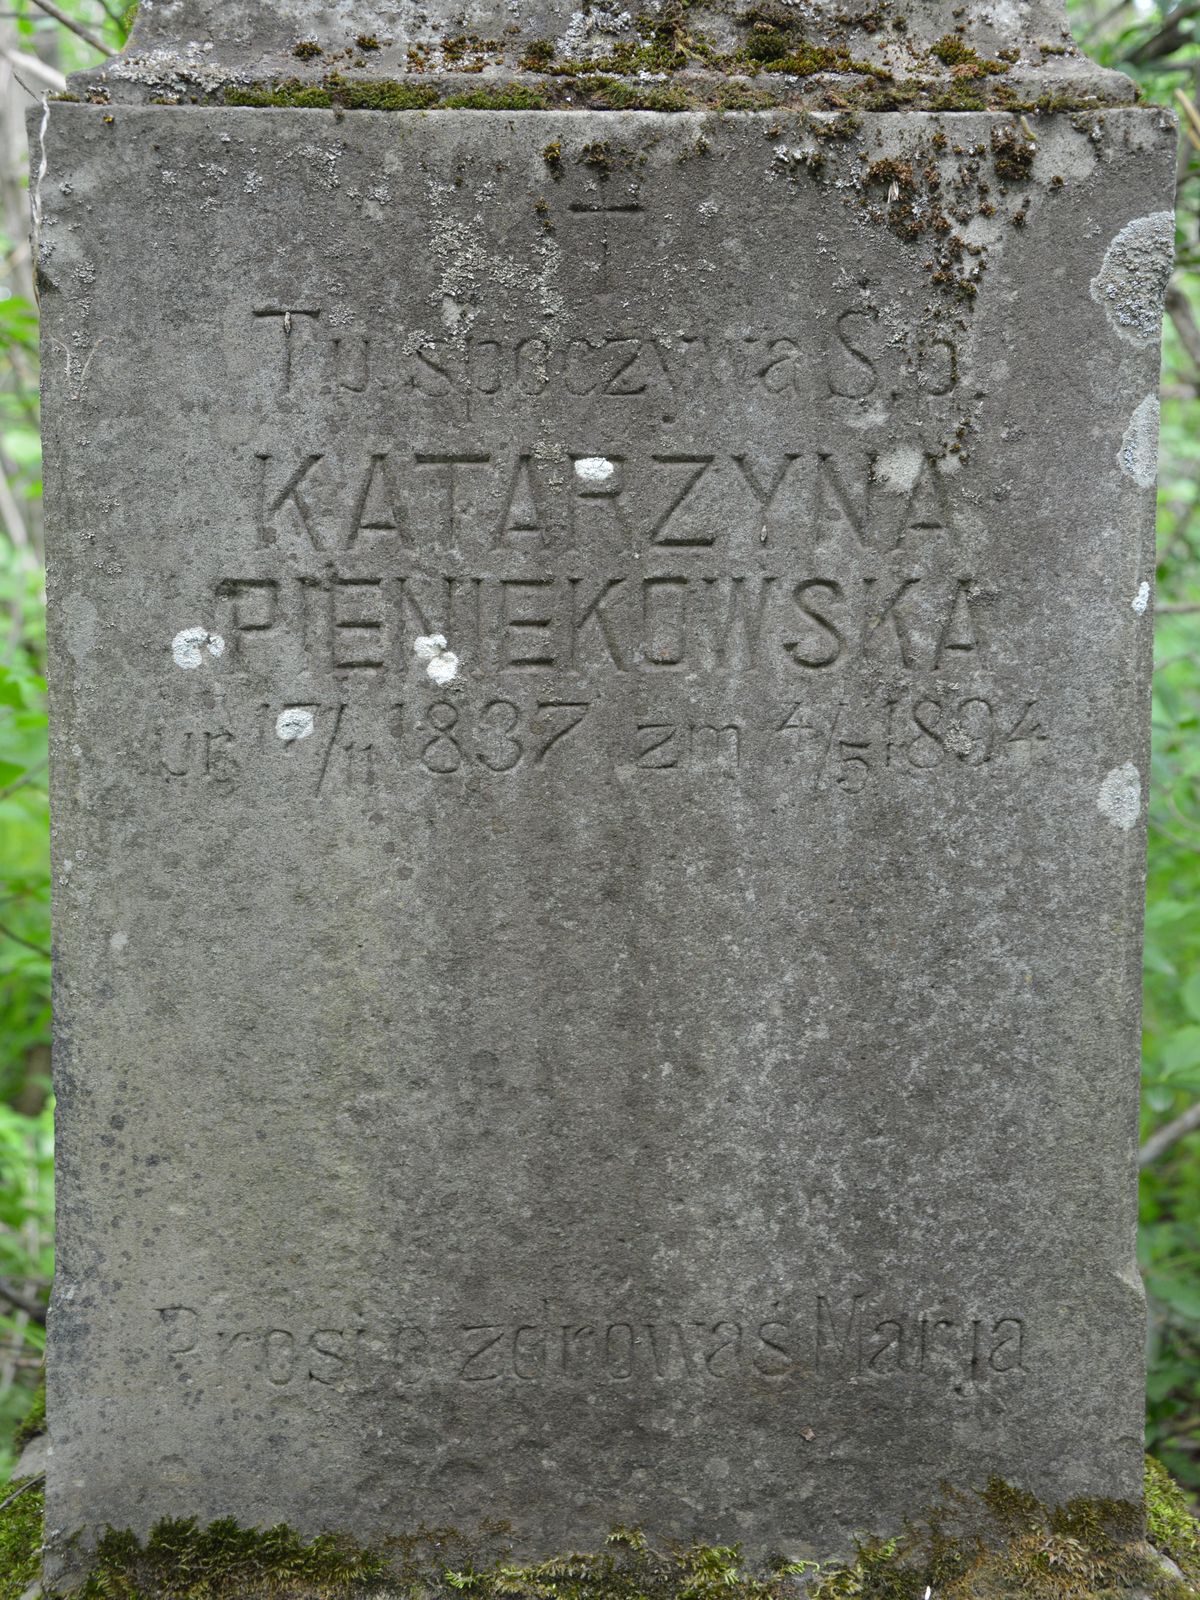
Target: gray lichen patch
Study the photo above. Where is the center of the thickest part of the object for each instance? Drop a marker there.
(1138, 455)
(1133, 279)
(1120, 796)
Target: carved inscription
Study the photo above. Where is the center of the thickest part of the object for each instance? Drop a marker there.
(595, 498)
(672, 621)
(837, 1339)
(814, 605)
(851, 357)
(914, 737)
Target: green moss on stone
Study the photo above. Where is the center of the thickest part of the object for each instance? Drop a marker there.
(182, 1561)
(1171, 1525)
(740, 97)
(290, 92)
(952, 51)
(1012, 155)
(1087, 1549)
(387, 94)
(622, 96)
(1084, 1550)
(805, 59)
(501, 97)
(539, 53)
(708, 91)
(21, 1512)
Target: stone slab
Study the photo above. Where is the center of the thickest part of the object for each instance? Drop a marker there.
(599, 683)
(189, 50)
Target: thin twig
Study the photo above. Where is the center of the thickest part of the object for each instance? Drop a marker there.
(30, 1483)
(1180, 533)
(10, 511)
(1103, 21)
(1171, 1134)
(1185, 822)
(37, 68)
(1161, 831)
(113, 16)
(1192, 115)
(28, 943)
(1176, 610)
(86, 34)
(19, 1302)
(1183, 319)
(1167, 39)
(32, 772)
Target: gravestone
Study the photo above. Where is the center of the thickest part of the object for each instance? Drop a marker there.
(600, 640)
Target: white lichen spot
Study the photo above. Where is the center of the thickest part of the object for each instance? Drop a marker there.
(1138, 455)
(594, 469)
(294, 722)
(189, 645)
(1132, 281)
(444, 668)
(1142, 598)
(1120, 797)
(441, 664)
(117, 941)
(428, 645)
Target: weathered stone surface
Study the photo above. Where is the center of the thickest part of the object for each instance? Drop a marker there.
(980, 55)
(599, 686)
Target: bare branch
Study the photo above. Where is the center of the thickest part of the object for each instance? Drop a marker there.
(1176, 610)
(30, 1483)
(1183, 319)
(1158, 1143)
(38, 950)
(19, 1302)
(39, 766)
(10, 511)
(1100, 23)
(1163, 41)
(85, 34)
(50, 76)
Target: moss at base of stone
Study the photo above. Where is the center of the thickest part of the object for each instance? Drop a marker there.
(1088, 1549)
(1170, 1525)
(1085, 1550)
(182, 1561)
(20, 1539)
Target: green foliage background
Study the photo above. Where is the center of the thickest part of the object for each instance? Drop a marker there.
(1159, 45)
